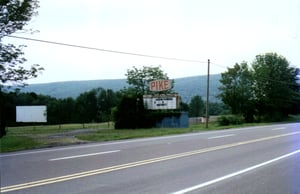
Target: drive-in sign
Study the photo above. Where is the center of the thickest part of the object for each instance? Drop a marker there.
(161, 101)
(160, 85)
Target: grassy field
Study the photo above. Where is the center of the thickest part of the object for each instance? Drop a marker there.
(32, 137)
(41, 136)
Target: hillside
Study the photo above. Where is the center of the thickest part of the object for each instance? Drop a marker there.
(186, 87)
(73, 88)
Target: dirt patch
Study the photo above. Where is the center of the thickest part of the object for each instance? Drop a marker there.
(64, 138)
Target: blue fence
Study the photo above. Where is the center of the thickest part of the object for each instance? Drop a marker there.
(174, 122)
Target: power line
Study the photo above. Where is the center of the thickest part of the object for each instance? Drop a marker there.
(222, 66)
(105, 50)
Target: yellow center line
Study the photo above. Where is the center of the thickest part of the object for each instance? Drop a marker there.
(133, 164)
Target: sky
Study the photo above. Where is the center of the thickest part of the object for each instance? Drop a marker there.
(226, 32)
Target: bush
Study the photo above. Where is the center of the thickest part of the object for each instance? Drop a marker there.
(230, 120)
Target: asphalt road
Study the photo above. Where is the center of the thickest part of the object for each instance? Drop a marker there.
(246, 160)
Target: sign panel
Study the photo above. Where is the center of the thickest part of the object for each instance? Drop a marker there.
(161, 102)
(160, 85)
(36, 114)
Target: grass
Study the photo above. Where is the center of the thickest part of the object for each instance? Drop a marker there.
(14, 143)
(51, 129)
(108, 135)
(29, 137)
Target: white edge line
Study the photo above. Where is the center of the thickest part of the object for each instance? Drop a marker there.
(234, 174)
(221, 136)
(84, 155)
(279, 128)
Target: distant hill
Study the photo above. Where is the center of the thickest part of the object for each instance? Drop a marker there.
(186, 87)
(73, 88)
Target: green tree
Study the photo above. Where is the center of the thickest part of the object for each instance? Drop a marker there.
(216, 108)
(276, 88)
(196, 107)
(61, 111)
(15, 14)
(139, 78)
(184, 106)
(107, 99)
(129, 113)
(86, 106)
(237, 90)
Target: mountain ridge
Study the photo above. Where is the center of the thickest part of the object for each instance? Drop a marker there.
(186, 87)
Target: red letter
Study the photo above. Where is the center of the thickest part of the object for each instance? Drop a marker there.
(161, 87)
(166, 84)
(152, 85)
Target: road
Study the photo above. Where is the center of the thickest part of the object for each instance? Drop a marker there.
(246, 160)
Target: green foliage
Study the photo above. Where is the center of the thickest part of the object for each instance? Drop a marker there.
(237, 90)
(61, 111)
(184, 106)
(86, 104)
(139, 78)
(270, 91)
(129, 113)
(196, 107)
(216, 108)
(230, 120)
(91, 106)
(14, 16)
(276, 87)
(106, 100)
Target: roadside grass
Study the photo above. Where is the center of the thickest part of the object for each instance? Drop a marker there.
(108, 135)
(51, 129)
(31, 137)
(16, 143)
(121, 134)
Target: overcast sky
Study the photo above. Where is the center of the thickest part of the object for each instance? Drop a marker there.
(225, 32)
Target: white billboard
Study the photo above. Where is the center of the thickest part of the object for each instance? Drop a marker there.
(161, 102)
(34, 114)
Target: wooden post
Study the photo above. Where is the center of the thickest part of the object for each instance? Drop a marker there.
(207, 96)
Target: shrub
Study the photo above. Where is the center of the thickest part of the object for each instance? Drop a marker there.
(226, 120)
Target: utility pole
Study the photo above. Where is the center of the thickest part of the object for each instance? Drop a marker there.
(207, 96)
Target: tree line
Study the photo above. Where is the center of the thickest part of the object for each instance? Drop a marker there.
(267, 90)
(90, 106)
(124, 107)
(96, 105)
